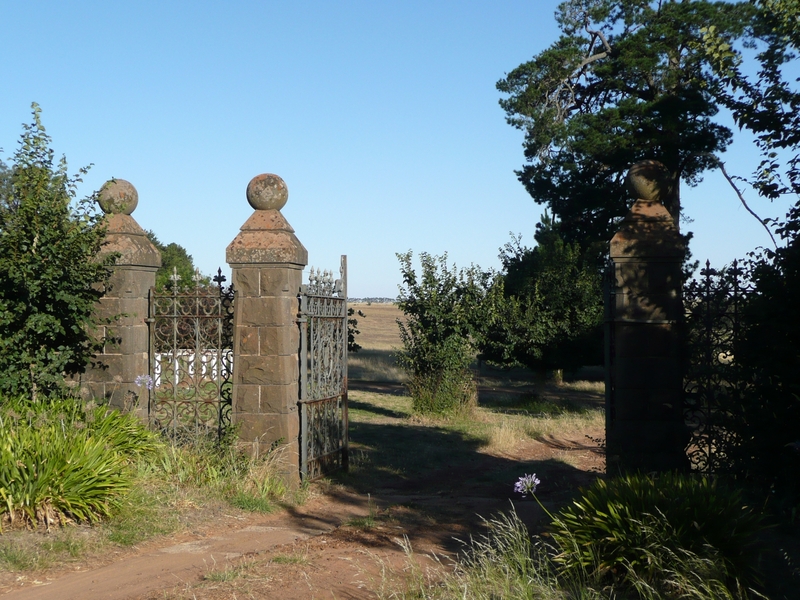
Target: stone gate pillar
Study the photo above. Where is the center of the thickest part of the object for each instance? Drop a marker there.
(267, 262)
(644, 415)
(125, 352)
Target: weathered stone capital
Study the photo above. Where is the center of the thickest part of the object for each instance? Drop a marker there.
(124, 235)
(266, 238)
(649, 180)
(267, 192)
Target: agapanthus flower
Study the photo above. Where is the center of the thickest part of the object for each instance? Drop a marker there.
(144, 380)
(527, 484)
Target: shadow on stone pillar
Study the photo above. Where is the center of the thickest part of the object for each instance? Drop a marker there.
(110, 377)
(267, 262)
(645, 429)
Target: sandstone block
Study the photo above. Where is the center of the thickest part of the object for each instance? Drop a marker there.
(265, 370)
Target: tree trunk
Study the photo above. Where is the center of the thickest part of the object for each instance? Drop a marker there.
(673, 201)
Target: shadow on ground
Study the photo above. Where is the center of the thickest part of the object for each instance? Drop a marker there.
(436, 479)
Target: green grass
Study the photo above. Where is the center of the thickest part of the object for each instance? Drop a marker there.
(503, 563)
(147, 512)
(252, 503)
(507, 562)
(27, 552)
(367, 522)
(289, 559)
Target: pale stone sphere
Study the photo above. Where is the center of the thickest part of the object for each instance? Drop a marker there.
(267, 192)
(118, 196)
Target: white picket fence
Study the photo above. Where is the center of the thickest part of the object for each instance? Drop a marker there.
(206, 365)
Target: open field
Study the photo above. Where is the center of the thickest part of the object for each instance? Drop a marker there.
(379, 337)
(379, 328)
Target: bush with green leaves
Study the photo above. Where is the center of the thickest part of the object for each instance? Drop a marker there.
(441, 307)
(66, 461)
(544, 310)
(642, 532)
(50, 273)
(176, 260)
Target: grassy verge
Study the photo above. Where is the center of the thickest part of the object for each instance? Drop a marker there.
(507, 562)
(392, 447)
(98, 481)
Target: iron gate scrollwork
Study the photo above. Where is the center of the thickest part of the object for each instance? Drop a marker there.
(191, 358)
(323, 374)
(714, 380)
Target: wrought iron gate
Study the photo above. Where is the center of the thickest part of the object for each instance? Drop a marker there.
(714, 382)
(191, 358)
(323, 373)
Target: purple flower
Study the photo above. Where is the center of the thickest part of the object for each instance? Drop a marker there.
(527, 484)
(144, 380)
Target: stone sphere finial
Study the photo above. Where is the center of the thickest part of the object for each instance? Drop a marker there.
(118, 196)
(267, 192)
(649, 180)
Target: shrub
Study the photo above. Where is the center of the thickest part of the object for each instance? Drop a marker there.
(446, 392)
(641, 531)
(440, 309)
(64, 462)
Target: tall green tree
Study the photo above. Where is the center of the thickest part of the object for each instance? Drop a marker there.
(544, 310)
(175, 259)
(627, 80)
(767, 104)
(50, 273)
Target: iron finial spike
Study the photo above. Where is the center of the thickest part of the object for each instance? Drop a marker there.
(219, 278)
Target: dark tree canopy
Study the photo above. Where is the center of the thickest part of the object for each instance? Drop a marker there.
(626, 81)
(768, 104)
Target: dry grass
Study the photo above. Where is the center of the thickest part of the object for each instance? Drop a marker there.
(597, 387)
(507, 433)
(374, 365)
(379, 338)
(378, 329)
(547, 426)
(504, 433)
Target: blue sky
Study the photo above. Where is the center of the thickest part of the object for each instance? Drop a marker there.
(381, 117)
